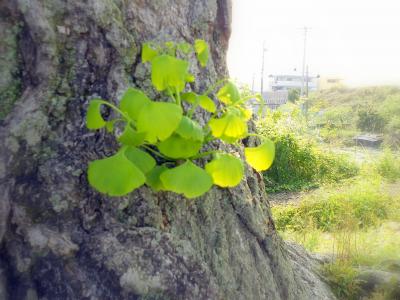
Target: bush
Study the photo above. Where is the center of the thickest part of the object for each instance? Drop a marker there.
(388, 166)
(358, 205)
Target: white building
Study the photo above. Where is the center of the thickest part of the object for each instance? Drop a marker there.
(287, 82)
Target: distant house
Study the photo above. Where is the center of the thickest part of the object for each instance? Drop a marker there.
(272, 100)
(288, 82)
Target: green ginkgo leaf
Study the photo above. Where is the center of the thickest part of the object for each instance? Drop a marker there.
(206, 103)
(178, 147)
(226, 170)
(229, 128)
(130, 137)
(133, 101)
(261, 157)
(190, 129)
(153, 178)
(187, 179)
(245, 113)
(148, 53)
(189, 97)
(94, 120)
(115, 175)
(144, 161)
(159, 120)
(202, 52)
(110, 125)
(169, 72)
(228, 94)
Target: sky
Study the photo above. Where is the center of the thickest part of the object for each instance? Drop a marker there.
(356, 40)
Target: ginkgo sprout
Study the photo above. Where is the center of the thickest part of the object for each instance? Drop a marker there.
(162, 143)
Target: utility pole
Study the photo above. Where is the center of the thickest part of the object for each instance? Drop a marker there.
(304, 60)
(307, 81)
(262, 68)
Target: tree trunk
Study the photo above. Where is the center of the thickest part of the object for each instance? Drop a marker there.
(59, 238)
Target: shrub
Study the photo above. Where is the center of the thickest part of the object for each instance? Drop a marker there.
(388, 166)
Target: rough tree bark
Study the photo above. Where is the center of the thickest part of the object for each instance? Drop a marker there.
(62, 240)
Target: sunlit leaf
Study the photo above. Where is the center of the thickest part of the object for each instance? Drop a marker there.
(169, 72)
(153, 178)
(202, 52)
(229, 128)
(148, 53)
(246, 113)
(159, 120)
(187, 179)
(115, 175)
(228, 94)
(189, 78)
(261, 157)
(133, 101)
(190, 129)
(178, 147)
(144, 161)
(94, 120)
(226, 170)
(184, 47)
(130, 137)
(206, 103)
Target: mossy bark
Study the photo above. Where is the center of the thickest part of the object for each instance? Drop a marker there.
(62, 240)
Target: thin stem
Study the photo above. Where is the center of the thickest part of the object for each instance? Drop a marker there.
(178, 97)
(171, 95)
(207, 153)
(211, 88)
(117, 110)
(154, 151)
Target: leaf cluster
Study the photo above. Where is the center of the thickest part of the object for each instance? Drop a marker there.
(161, 143)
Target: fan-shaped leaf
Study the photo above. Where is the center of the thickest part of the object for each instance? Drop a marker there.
(94, 120)
(178, 147)
(169, 72)
(190, 129)
(206, 103)
(130, 137)
(226, 170)
(144, 161)
(261, 157)
(189, 97)
(153, 178)
(159, 120)
(229, 128)
(187, 179)
(133, 101)
(148, 53)
(202, 52)
(115, 175)
(228, 94)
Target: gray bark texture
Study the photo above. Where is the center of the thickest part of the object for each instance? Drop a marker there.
(60, 239)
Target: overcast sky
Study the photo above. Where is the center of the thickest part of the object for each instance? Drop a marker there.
(357, 40)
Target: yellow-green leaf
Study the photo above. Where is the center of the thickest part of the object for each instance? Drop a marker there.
(261, 157)
(133, 101)
(187, 179)
(206, 103)
(94, 120)
(184, 47)
(144, 161)
(115, 175)
(169, 72)
(229, 128)
(178, 147)
(202, 52)
(189, 97)
(130, 137)
(190, 129)
(148, 53)
(159, 120)
(226, 170)
(228, 94)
